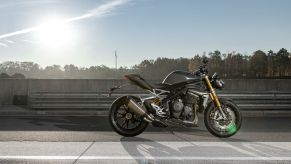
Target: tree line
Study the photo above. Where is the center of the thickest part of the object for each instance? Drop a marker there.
(260, 64)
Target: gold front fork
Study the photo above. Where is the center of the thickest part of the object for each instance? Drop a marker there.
(213, 95)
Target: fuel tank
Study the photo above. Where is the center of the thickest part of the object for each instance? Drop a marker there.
(176, 77)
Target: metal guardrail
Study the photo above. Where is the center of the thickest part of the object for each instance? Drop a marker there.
(100, 100)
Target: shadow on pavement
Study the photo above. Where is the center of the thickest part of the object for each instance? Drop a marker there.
(142, 148)
(58, 128)
(93, 123)
(101, 123)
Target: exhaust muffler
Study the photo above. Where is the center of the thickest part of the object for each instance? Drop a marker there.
(138, 110)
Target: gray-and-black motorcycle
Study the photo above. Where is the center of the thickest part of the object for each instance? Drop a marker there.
(177, 100)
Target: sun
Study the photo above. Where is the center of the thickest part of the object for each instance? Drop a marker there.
(55, 33)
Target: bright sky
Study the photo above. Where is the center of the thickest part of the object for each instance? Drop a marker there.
(87, 32)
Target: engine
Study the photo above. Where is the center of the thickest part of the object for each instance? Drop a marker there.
(183, 107)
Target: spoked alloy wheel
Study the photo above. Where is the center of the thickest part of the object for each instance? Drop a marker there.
(123, 121)
(220, 127)
(219, 123)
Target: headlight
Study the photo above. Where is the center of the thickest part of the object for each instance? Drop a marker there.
(217, 83)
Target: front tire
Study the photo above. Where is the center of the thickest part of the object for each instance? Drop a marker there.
(223, 128)
(123, 121)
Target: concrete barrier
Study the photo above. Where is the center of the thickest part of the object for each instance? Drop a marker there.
(10, 89)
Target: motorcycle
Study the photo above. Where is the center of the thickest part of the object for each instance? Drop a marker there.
(177, 100)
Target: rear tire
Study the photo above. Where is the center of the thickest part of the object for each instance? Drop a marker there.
(223, 129)
(119, 118)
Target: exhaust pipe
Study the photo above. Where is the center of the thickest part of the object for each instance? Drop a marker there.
(138, 110)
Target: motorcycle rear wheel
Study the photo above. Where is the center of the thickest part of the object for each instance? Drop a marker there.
(123, 121)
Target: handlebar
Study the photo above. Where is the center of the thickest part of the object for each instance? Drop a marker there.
(202, 70)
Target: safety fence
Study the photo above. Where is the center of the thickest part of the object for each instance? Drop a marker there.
(102, 101)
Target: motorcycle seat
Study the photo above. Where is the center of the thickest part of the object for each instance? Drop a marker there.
(142, 83)
(139, 81)
(162, 86)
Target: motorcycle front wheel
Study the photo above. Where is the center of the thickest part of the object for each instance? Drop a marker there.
(123, 121)
(218, 126)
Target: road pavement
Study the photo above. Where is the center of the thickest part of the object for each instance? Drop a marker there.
(91, 140)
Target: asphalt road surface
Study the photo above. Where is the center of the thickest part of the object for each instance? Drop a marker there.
(91, 139)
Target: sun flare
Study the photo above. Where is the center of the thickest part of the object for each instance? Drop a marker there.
(55, 33)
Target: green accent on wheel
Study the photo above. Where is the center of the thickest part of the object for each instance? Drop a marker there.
(231, 129)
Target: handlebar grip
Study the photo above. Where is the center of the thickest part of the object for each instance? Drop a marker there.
(197, 73)
(202, 70)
